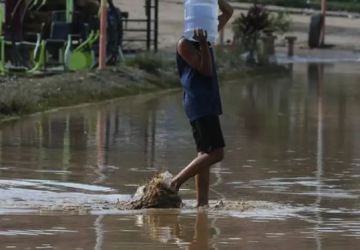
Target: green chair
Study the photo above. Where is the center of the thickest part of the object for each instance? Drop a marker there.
(3, 69)
(38, 56)
(37, 4)
(82, 57)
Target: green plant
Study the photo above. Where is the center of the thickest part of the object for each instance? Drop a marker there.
(280, 22)
(257, 22)
(248, 28)
(150, 62)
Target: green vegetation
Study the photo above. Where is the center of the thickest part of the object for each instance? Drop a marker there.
(258, 23)
(342, 5)
(150, 62)
(141, 74)
(24, 95)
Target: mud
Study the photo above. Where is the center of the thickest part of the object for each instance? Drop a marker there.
(156, 194)
(129, 207)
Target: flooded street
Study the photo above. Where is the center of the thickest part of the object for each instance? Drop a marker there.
(293, 153)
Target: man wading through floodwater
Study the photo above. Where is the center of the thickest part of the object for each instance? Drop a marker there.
(202, 105)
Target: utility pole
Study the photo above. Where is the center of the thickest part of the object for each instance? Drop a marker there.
(323, 14)
(103, 34)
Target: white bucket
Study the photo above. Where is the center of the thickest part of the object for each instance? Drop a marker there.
(201, 14)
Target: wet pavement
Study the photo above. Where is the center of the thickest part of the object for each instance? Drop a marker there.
(292, 156)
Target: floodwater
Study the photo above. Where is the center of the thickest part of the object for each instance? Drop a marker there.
(292, 157)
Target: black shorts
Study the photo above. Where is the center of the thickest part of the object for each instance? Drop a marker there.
(208, 134)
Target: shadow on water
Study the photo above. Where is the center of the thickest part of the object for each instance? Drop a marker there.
(291, 141)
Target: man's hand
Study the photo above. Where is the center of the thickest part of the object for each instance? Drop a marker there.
(200, 35)
(198, 59)
(226, 13)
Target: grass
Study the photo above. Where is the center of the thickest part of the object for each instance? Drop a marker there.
(20, 96)
(149, 62)
(141, 74)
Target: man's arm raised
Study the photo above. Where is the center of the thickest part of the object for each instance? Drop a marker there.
(226, 13)
(198, 59)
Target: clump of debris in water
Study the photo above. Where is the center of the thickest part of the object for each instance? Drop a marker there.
(157, 193)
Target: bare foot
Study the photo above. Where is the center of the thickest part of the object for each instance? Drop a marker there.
(174, 186)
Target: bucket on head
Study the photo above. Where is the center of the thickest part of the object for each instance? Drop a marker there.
(201, 14)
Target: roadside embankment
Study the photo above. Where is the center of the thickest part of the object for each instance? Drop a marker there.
(22, 95)
(142, 74)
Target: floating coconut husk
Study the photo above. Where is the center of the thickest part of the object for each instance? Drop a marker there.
(156, 194)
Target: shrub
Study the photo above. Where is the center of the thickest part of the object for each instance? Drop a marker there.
(248, 28)
(149, 62)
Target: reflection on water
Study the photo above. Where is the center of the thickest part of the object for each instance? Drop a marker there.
(167, 228)
(292, 141)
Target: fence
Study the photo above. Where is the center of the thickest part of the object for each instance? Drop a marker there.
(147, 28)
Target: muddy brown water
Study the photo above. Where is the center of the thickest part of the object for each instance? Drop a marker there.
(292, 157)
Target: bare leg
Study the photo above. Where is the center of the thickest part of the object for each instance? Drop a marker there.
(201, 235)
(202, 182)
(201, 163)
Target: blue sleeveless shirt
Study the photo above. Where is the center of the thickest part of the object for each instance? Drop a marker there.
(201, 95)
